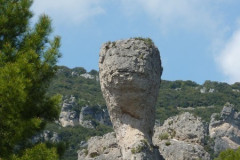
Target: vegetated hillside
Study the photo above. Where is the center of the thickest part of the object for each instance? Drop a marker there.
(77, 82)
(202, 100)
(174, 97)
(86, 89)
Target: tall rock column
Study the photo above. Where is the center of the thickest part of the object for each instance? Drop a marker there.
(130, 72)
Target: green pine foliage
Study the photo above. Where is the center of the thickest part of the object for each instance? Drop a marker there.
(38, 152)
(229, 154)
(27, 64)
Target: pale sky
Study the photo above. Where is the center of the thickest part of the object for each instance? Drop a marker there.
(198, 39)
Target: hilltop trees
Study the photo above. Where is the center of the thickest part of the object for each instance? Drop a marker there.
(27, 64)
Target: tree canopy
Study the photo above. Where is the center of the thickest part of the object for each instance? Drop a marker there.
(28, 60)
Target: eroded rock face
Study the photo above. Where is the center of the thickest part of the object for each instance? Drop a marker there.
(224, 128)
(101, 147)
(68, 117)
(96, 113)
(181, 138)
(87, 117)
(130, 72)
(184, 127)
(179, 150)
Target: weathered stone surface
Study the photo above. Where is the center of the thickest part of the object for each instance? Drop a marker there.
(100, 148)
(130, 72)
(224, 128)
(106, 147)
(87, 76)
(185, 134)
(180, 138)
(87, 117)
(88, 114)
(184, 127)
(68, 117)
(179, 150)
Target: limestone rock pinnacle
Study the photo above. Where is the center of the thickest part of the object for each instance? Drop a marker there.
(130, 72)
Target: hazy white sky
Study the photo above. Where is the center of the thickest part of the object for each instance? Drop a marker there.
(198, 39)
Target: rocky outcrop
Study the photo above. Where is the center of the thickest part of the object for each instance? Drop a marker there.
(130, 72)
(106, 147)
(87, 76)
(90, 115)
(68, 117)
(100, 148)
(46, 135)
(224, 129)
(204, 90)
(184, 127)
(181, 138)
(179, 150)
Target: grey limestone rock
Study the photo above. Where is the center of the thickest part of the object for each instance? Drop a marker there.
(181, 138)
(100, 148)
(224, 128)
(106, 148)
(68, 117)
(130, 72)
(87, 76)
(96, 113)
(184, 127)
(46, 135)
(180, 150)
(87, 117)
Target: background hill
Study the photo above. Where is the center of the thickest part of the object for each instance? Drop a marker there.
(174, 97)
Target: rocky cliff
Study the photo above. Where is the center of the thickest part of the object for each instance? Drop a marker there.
(179, 138)
(224, 129)
(182, 137)
(68, 117)
(87, 117)
(101, 147)
(129, 72)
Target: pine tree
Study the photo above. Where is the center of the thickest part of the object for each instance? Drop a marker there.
(28, 60)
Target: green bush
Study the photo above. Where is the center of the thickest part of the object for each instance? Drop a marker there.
(138, 149)
(163, 136)
(229, 154)
(39, 152)
(147, 41)
(168, 143)
(94, 154)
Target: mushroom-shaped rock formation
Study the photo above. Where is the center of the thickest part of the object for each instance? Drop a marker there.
(130, 72)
